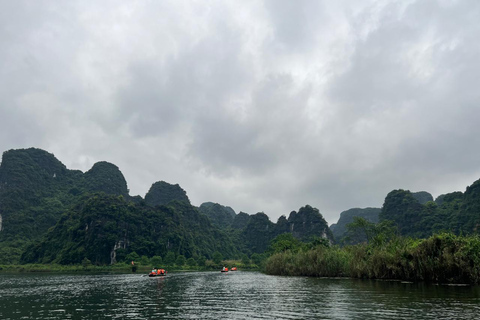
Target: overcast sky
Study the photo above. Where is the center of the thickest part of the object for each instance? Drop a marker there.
(258, 105)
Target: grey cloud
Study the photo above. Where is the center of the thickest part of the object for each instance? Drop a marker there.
(263, 106)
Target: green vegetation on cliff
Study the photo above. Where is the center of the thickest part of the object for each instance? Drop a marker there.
(455, 212)
(105, 228)
(161, 193)
(339, 230)
(50, 214)
(221, 216)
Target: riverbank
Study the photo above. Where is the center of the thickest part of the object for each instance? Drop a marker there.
(442, 258)
(116, 268)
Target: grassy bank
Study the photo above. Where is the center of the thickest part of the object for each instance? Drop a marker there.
(442, 258)
(120, 267)
(14, 268)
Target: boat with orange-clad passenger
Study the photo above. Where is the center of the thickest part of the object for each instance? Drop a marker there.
(157, 273)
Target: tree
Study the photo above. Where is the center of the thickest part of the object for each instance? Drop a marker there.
(132, 256)
(284, 242)
(245, 259)
(169, 258)
(376, 234)
(86, 263)
(191, 262)
(156, 261)
(257, 258)
(217, 257)
(180, 261)
(120, 255)
(144, 260)
(201, 261)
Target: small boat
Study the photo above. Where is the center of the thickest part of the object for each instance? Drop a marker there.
(157, 273)
(233, 269)
(224, 270)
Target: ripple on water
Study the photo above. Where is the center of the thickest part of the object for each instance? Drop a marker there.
(240, 295)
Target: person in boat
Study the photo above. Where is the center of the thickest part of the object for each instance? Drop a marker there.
(223, 268)
(161, 272)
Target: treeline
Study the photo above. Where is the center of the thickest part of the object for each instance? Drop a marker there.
(441, 258)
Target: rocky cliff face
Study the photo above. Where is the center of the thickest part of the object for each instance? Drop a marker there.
(221, 216)
(346, 217)
(106, 177)
(161, 193)
(308, 223)
(36, 188)
(104, 228)
(422, 196)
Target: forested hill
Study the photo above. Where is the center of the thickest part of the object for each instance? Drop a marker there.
(418, 215)
(49, 213)
(36, 188)
(458, 212)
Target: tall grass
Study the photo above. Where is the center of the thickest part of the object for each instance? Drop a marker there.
(442, 258)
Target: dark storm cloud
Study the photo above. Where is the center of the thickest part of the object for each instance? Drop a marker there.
(262, 106)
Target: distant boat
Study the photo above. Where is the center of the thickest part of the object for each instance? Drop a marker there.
(224, 269)
(157, 273)
(233, 269)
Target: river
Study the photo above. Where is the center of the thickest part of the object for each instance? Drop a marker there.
(233, 295)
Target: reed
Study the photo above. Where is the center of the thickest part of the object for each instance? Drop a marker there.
(442, 258)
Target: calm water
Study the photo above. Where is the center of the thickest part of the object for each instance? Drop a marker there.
(235, 295)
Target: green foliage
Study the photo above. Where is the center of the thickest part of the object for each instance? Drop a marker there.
(339, 230)
(105, 177)
(132, 256)
(180, 261)
(86, 263)
(422, 197)
(220, 216)
(283, 243)
(258, 233)
(100, 222)
(258, 259)
(442, 258)
(191, 262)
(240, 221)
(169, 259)
(63, 216)
(201, 261)
(156, 261)
(416, 215)
(317, 242)
(217, 257)
(144, 260)
(54, 215)
(37, 190)
(162, 193)
(308, 223)
(376, 234)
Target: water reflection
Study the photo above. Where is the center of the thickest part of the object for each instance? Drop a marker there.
(236, 295)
